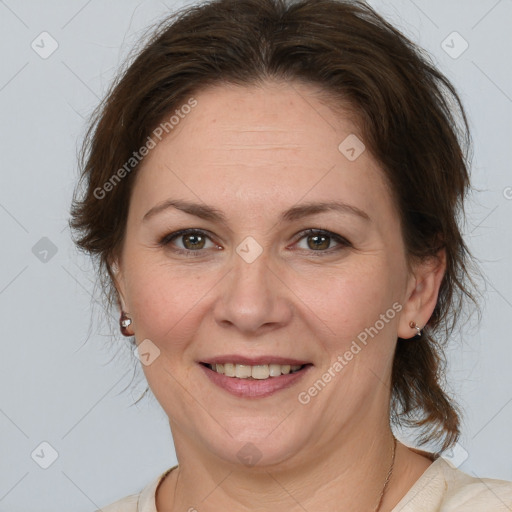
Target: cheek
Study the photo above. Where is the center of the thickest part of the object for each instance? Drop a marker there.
(347, 299)
(167, 308)
(167, 300)
(361, 310)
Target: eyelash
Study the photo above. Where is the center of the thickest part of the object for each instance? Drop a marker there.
(341, 241)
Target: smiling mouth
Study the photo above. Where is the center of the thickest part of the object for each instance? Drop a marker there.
(254, 372)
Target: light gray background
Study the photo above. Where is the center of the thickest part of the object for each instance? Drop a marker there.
(71, 386)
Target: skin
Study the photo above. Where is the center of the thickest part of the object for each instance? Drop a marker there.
(252, 153)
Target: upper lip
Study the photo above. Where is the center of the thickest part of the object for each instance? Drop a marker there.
(253, 361)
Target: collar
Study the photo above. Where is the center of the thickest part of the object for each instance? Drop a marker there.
(147, 498)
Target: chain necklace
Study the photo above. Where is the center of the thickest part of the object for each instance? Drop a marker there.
(388, 477)
(377, 508)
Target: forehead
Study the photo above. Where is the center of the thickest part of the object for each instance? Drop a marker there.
(277, 119)
(262, 145)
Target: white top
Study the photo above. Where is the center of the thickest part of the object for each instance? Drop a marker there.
(441, 488)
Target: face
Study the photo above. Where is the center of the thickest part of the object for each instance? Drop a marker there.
(292, 257)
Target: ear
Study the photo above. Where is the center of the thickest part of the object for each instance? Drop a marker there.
(422, 293)
(118, 281)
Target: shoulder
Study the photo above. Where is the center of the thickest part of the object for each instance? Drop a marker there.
(142, 502)
(471, 493)
(444, 488)
(128, 504)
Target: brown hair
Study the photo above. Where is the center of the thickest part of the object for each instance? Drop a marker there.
(410, 117)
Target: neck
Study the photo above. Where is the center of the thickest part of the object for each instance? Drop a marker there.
(350, 477)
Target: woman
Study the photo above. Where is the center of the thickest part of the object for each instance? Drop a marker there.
(272, 189)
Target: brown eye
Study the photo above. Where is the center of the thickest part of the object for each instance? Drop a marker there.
(188, 240)
(193, 241)
(319, 242)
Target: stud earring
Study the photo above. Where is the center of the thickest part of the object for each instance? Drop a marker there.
(124, 322)
(413, 325)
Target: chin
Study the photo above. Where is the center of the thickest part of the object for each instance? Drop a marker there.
(252, 447)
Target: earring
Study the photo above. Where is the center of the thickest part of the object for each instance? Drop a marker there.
(124, 322)
(413, 325)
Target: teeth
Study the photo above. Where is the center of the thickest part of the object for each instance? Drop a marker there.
(229, 370)
(259, 372)
(242, 371)
(274, 370)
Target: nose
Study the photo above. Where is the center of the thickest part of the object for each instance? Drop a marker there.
(253, 297)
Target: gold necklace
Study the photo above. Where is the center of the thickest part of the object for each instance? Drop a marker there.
(377, 508)
(388, 477)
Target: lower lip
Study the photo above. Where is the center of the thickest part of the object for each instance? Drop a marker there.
(254, 388)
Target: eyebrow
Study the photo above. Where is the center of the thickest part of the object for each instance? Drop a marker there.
(297, 212)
